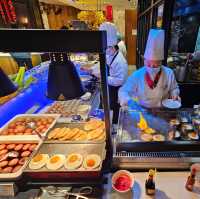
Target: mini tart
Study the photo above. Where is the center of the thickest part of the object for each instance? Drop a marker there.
(158, 137)
(92, 161)
(146, 137)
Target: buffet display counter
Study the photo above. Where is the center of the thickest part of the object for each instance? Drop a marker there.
(34, 100)
(157, 138)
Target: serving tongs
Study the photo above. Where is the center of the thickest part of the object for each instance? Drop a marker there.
(32, 125)
(11, 154)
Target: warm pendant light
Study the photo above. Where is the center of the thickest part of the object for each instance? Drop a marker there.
(63, 80)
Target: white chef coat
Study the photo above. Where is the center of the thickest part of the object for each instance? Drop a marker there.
(122, 48)
(136, 87)
(118, 70)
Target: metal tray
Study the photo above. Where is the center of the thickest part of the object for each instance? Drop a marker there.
(92, 102)
(66, 149)
(71, 125)
(56, 116)
(14, 176)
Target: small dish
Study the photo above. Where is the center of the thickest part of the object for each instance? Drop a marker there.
(171, 104)
(122, 181)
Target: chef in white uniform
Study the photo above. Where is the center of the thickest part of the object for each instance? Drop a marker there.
(154, 82)
(117, 67)
(121, 45)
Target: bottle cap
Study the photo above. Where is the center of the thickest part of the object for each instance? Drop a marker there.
(152, 172)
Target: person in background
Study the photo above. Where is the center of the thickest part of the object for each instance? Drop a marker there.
(154, 82)
(22, 58)
(117, 68)
(121, 45)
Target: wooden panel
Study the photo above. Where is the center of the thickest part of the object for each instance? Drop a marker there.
(130, 26)
(67, 13)
(8, 65)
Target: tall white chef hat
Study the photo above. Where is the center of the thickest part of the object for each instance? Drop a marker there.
(155, 45)
(111, 30)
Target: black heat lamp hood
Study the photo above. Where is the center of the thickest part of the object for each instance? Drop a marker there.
(63, 80)
(6, 85)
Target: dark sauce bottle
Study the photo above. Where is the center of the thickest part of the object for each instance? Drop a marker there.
(150, 184)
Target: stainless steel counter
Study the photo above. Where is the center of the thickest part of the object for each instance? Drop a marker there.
(169, 185)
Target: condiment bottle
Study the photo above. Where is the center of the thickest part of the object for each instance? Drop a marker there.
(191, 180)
(150, 184)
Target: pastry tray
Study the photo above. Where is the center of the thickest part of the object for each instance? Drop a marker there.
(73, 104)
(56, 116)
(16, 140)
(71, 126)
(66, 149)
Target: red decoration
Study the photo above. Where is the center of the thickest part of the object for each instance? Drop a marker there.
(2, 13)
(6, 6)
(109, 12)
(12, 10)
(5, 3)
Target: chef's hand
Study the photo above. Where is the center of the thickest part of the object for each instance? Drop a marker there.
(176, 98)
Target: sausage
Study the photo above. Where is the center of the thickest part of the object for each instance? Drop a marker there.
(50, 120)
(18, 123)
(2, 146)
(3, 151)
(10, 146)
(32, 147)
(23, 160)
(4, 132)
(25, 154)
(13, 162)
(28, 131)
(16, 168)
(25, 147)
(18, 147)
(7, 170)
(3, 157)
(3, 163)
(15, 131)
